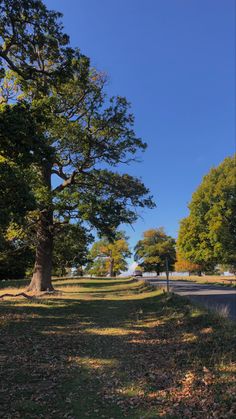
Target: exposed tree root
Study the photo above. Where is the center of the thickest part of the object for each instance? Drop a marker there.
(21, 294)
(31, 297)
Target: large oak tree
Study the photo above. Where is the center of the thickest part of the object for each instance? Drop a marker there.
(78, 134)
(155, 251)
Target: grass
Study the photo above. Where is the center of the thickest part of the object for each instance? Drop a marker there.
(207, 279)
(114, 349)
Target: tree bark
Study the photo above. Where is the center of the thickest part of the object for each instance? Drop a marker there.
(41, 280)
(111, 267)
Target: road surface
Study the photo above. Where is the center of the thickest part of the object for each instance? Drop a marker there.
(222, 299)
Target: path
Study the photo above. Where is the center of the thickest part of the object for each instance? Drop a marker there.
(222, 299)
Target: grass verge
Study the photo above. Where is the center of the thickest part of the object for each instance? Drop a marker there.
(206, 279)
(114, 349)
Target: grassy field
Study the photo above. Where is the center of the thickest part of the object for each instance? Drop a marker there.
(113, 349)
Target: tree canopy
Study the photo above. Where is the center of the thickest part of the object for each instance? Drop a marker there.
(33, 43)
(155, 250)
(208, 235)
(70, 248)
(109, 257)
(16, 200)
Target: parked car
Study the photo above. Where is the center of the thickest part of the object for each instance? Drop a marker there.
(138, 273)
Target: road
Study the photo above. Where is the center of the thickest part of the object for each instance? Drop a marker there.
(222, 299)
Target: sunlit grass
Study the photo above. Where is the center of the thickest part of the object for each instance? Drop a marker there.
(94, 363)
(207, 279)
(189, 337)
(11, 290)
(113, 331)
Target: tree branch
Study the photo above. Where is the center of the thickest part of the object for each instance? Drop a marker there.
(59, 173)
(69, 181)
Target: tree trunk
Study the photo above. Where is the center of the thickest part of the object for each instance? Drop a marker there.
(41, 280)
(111, 267)
(167, 281)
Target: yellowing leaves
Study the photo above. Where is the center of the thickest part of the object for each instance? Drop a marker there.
(14, 232)
(105, 253)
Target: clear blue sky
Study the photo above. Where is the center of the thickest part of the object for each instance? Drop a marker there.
(175, 62)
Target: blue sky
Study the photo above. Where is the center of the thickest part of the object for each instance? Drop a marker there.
(175, 62)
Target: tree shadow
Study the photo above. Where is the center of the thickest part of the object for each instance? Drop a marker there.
(111, 358)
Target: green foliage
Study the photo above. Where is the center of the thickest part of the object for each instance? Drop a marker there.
(16, 256)
(208, 235)
(77, 128)
(14, 263)
(21, 133)
(98, 267)
(15, 195)
(154, 250)
(16, 200)
(33, 43)
(70, 248)
(106, 252)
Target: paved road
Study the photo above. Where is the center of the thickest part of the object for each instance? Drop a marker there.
(220, 298)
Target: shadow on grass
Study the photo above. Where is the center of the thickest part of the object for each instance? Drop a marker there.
(90, 283)
(112, 358)
(101, 291)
